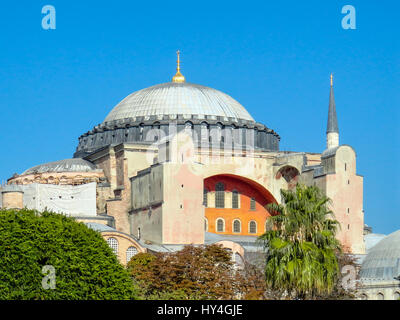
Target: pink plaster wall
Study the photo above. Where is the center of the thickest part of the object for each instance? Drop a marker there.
(345, 188)
(183, 210)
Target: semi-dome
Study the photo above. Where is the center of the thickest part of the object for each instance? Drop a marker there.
(383, 259)
(66, 165)
(178, 98)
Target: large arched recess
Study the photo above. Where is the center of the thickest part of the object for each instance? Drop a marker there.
(253, 199)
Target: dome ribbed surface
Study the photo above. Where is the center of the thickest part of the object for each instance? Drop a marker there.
(178, 98)
(66, 165)
(383, 259)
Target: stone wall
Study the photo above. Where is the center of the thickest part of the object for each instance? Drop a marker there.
(180, 208)
(124, 242)
(379, 290)
(345, 188)
(12, 199)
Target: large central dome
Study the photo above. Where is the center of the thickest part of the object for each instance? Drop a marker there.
(209, 114)
(174, 98)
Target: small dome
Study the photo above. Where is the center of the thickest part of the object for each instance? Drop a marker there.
(173, 98)
(372, 239)
(383, 259)
(67, 165)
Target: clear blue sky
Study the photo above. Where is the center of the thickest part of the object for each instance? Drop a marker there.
(274, 57)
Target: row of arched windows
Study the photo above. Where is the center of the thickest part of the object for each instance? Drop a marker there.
(236, 226)
(130, 252)
(380, 296)
(220, 198)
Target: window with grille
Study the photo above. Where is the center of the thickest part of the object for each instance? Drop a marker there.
(253, 227)
(236, 226)
(205, 197)
(252, 204)
(235, 199)
(113, 243)
(130, 252)
(220, 225)
(219, 195)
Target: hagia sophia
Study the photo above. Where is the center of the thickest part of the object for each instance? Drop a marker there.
(180, 163)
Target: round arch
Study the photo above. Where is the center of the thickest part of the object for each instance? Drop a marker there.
(241, 203)
(254, 184)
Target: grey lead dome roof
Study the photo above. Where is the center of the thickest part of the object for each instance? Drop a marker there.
(67, 165)
(383, 259)
(178, 98)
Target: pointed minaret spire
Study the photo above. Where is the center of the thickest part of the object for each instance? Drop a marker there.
(332, 130)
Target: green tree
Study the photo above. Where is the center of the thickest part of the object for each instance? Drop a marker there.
(339, 292)
(85, 266)
(301, 247)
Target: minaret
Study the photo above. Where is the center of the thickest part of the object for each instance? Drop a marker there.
(178, 77)
(332, 130)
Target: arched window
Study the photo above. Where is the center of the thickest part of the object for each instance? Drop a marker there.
(188, 126)
(364, 297)
(235, 199)
(381, 296)
(237, 228)
(252, 204)
(204, 131)
(113, 243)
(252, 227)
(141, 131)
(205, 224)
(219, 195)
(220, 225)
(130, 252)
(205, 197)
(396, 295)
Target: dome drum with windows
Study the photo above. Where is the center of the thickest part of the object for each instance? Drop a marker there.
(189, 106)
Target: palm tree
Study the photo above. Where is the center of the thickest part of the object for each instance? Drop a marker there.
(300, 244)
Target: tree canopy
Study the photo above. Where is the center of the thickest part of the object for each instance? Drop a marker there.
(84, 265)
(301, 245)
(195, 272)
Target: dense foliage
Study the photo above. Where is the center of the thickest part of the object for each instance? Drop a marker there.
(85, 266)
(301, 245)
(196, 272)
(339, 292)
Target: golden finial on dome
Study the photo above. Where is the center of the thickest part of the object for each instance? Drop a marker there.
(331, 79)
(178, 77)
